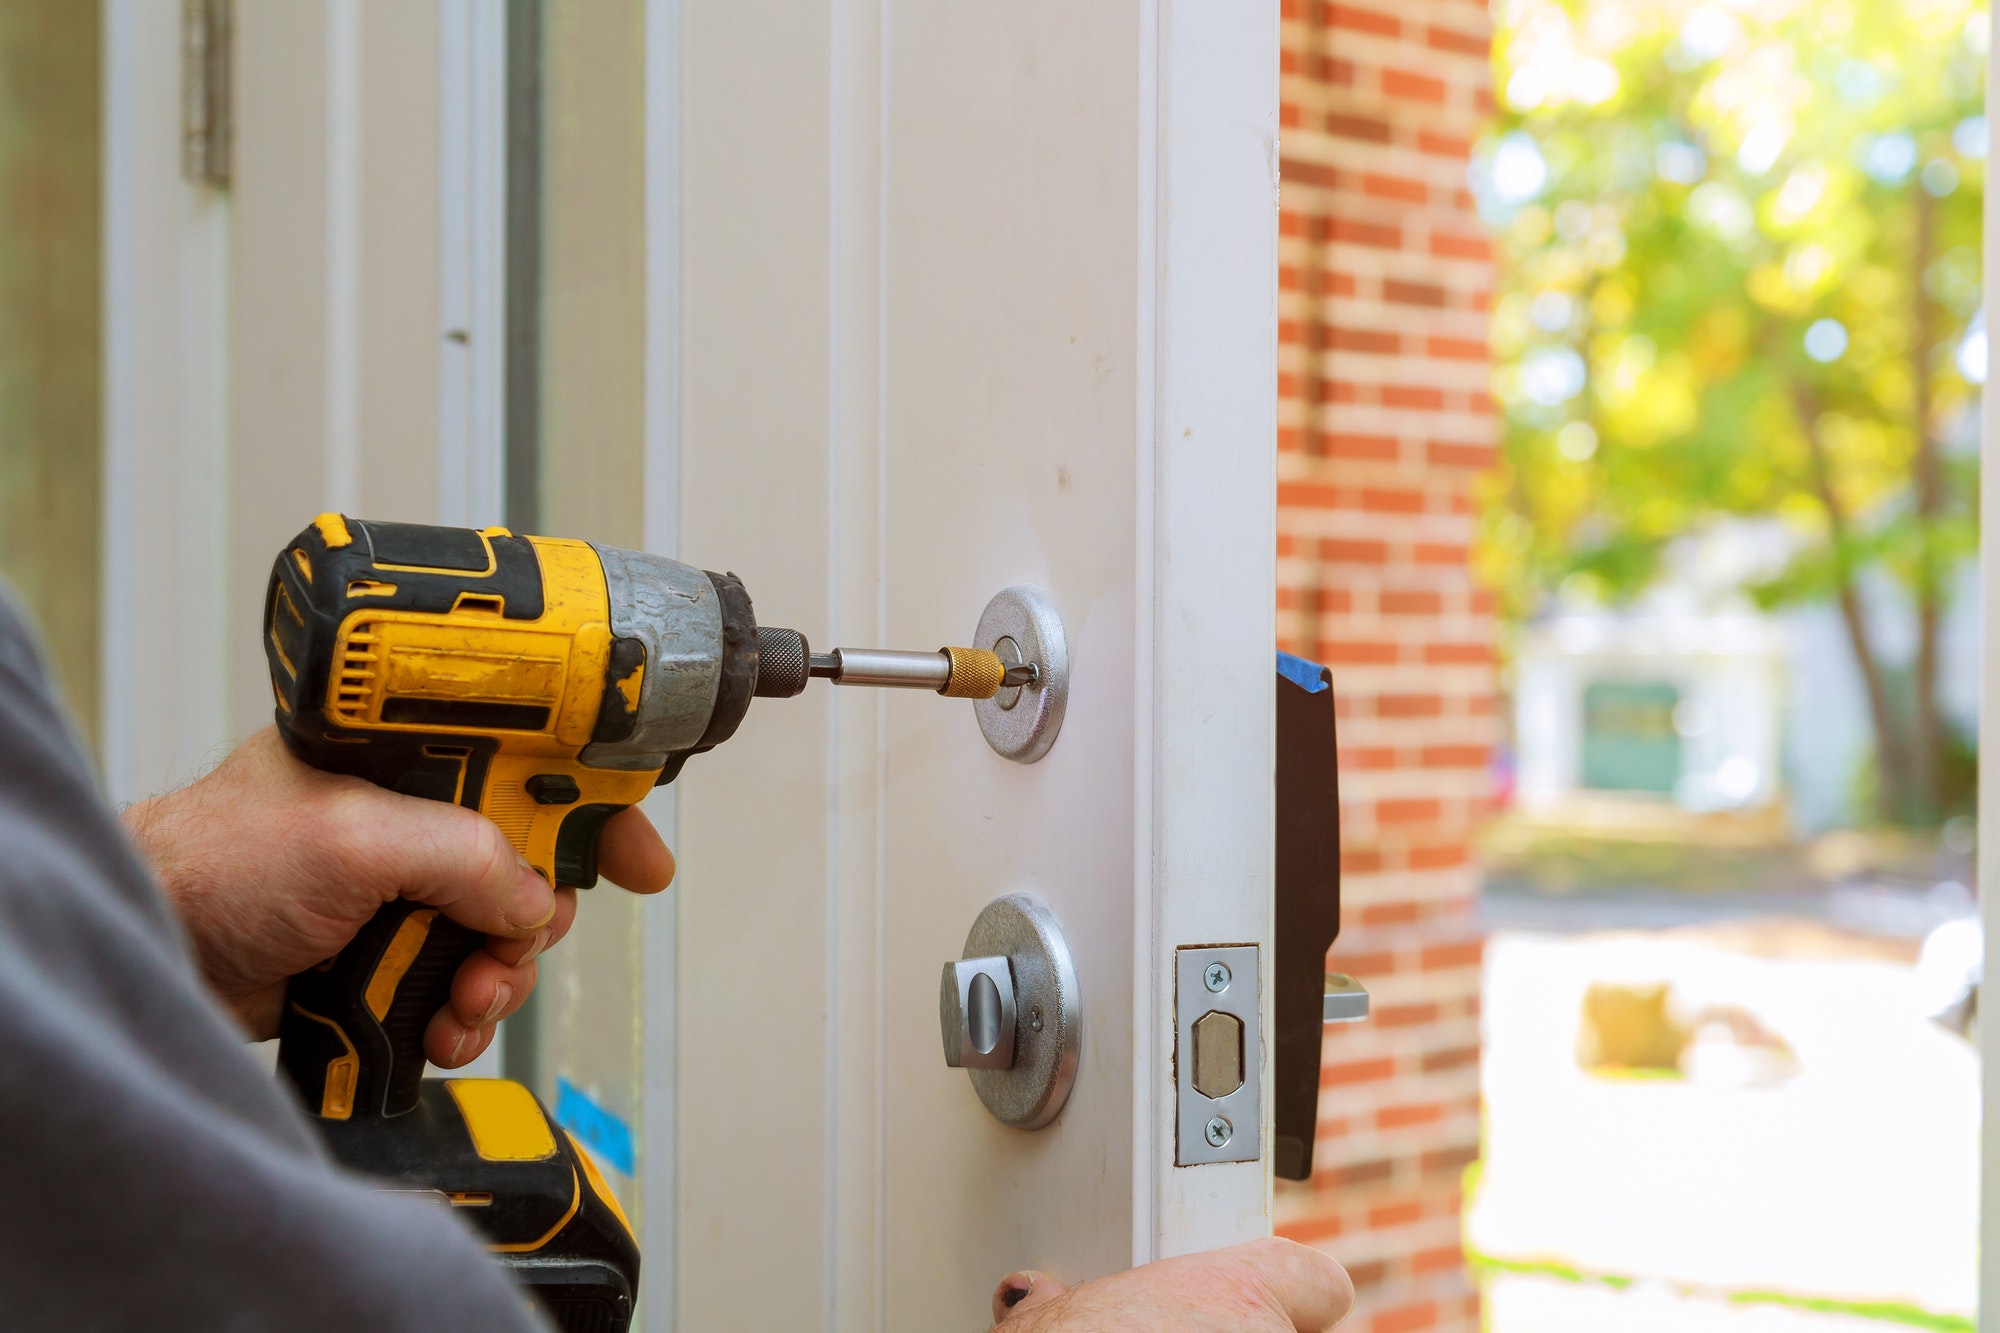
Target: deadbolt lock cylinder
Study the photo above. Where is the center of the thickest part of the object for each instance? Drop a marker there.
(1010, 1012)
(977, 1011)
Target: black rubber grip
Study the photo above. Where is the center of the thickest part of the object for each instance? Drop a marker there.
(352, 1036)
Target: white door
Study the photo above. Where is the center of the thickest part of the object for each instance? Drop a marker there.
(968, 295)
(884, 307)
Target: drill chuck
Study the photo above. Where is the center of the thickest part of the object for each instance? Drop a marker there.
(783, 661)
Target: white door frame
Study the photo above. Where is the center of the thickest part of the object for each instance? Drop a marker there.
(1208, 210)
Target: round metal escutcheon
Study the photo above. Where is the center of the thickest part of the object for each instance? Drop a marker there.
(1021, 928)
(1021, 625)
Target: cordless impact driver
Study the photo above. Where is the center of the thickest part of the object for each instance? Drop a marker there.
(547, 684)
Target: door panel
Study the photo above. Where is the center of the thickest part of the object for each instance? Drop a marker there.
(930, 347)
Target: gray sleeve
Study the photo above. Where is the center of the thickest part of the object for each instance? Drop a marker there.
(155, 1176)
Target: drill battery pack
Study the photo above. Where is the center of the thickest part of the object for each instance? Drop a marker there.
(489, 1148)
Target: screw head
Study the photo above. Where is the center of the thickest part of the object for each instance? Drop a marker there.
(1217, 1131)
(1216, 978)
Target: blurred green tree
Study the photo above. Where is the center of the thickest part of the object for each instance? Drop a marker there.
(1741, 277)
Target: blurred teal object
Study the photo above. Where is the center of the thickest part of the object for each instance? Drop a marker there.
(1629, 740)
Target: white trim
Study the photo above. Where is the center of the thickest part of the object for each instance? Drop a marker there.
(472, 285)
(660, 942)
(344, 95)
(1209, 450)
(1147, 1118)
(163, 660)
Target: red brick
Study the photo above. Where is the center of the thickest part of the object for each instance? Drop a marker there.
(1296, 171)
(1448, 1161)
(1356, 1173)
(1445, 145)
(1400, 188)
(1458, 654)
(1374, 756)
(1399, 1214)
(1412, 87)
(1362, 20)
(1409, 705)
(1465, 953)
(1404, 1015)
(1456, 756)
(1413, 293)
(1409, 810)
(1439, 1260)
(1456, 349)
(1312, 1230)
(1439, 858)
(1465, 43)
(1349, 231)
(1376, 964)
(1359, 1071)
(1412, 1318)
(1451, 453)
(1401, 1117)
(1420, 397)
(1391, 914)
(1354, 652)
(1367, 1276)
(1367, 128)
(1364, 340)
(1382, 500)
(1382, 448)
(1458, 245)
(1353, 551)
(1439, 553)
(1410, 603)
(1458, 1057)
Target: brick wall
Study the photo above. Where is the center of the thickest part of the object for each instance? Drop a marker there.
(1385, 423)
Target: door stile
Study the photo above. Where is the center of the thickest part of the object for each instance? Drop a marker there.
(1209, 484)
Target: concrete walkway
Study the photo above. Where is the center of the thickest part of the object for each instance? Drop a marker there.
(1853, 1181)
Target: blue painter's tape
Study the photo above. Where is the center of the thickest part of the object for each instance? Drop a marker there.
(608, 1138)
(1308, 676)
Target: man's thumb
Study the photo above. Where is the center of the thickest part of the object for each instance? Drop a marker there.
(1023, 1291)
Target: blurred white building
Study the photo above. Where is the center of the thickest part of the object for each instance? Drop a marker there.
(1693, 700)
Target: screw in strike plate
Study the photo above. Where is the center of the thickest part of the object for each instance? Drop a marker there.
(1216, 978)
(1217, 1132)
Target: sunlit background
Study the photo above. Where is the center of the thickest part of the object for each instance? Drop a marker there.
(1739, 349)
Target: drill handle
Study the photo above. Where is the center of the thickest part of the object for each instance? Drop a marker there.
(352, 1035)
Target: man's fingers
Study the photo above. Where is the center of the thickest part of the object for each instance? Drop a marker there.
(486, 990)
(449, 1043)
(632, 855)
(446, 857)
(1313, 1290)
(1023, 1291)
(516, 952)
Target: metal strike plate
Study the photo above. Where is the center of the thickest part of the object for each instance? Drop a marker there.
(976, 1011)
(1218, 1053)
(1036, 1019)
(1346, 999)
(1020, 625)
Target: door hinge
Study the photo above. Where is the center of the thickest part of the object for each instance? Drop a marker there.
(207, 113)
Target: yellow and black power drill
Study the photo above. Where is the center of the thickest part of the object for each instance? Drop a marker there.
(547, 684)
